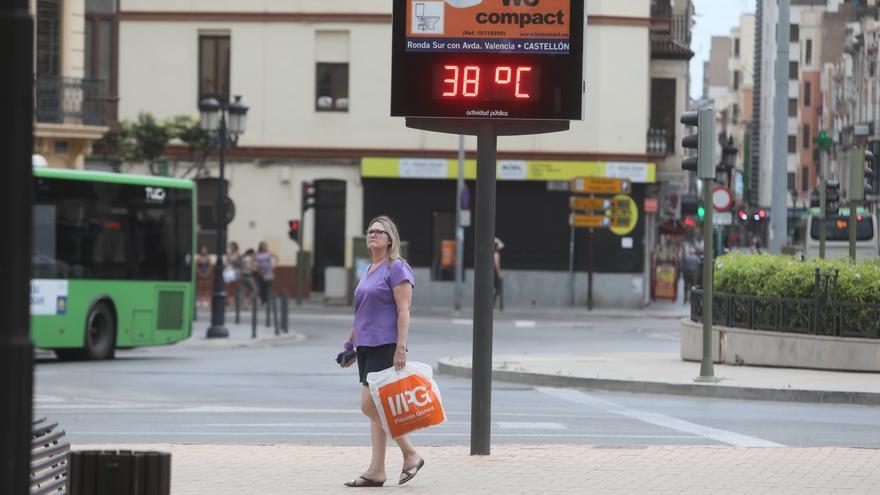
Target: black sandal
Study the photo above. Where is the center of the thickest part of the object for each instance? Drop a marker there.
(410, 473)
(367, 483)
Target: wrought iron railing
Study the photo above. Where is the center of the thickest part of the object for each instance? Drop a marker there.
(65, 100)
(824, 314)
(660, 142)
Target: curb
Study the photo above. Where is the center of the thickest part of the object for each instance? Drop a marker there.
(645, 387)
(202, 343)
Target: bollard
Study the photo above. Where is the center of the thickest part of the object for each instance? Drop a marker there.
(238, 301)
(275, 314)
(119, 472)
(285, 300)
(254, 308)
(269, 310)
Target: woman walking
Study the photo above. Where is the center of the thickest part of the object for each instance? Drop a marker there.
(381, 327)
(265, 270)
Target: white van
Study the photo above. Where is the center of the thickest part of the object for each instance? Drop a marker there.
(837, 236)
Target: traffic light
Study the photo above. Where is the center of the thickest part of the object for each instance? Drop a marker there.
(701, 212)
(293, 230)
(703, 164)
(743, 215)
(832, 197)
(308, 195)
(861, 174)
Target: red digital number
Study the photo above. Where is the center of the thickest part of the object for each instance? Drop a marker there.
(453, 81)
(469, 80)
(472, 78)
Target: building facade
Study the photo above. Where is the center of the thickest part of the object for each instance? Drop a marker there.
(73, 107)
(316, 76)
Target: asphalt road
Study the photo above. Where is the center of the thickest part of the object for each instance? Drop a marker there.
(296, 394)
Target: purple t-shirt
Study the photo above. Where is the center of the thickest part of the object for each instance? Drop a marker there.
(375, 311)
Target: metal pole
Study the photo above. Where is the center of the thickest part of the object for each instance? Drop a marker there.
(255, 307)
(707, 370)
(218, 301)
(16, 146)
(238, 297)
(484, 249)
(853, 206)
(778, 210)
(285, 309)
(459, 229)
(823, 203)
(590, 273)
(571, 267)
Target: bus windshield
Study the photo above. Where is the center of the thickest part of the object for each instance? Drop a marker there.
(837, 228)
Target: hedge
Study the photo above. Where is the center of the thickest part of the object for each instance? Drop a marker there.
(785, 276)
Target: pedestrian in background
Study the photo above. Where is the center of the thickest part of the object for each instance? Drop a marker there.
(264, 260)
(232, 272)
(498, 279)
(203, 278)
(381, 328)
(248, 284)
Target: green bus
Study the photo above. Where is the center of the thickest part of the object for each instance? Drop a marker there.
(112, 264)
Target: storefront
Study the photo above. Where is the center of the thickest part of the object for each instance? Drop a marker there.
(532, 218)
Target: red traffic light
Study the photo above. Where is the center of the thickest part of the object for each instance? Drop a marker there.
(859, 217)
(762, 213)
(293, 230)
(743, 215)
(690, 222)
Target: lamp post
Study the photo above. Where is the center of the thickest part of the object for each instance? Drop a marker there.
(214, 117)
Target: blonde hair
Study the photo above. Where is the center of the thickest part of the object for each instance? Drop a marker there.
(389, 226)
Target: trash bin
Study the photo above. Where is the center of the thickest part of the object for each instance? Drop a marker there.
(122, 472)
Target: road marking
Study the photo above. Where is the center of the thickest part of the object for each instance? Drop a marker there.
(178, 434)
(517, 425)
(723, 436)
(507, 425)
(524, 324)
(462, 321)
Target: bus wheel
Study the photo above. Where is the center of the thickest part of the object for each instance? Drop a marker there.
(100, 333)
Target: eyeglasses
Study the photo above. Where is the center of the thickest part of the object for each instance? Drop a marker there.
(376, 232)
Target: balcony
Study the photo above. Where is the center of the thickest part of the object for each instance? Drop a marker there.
(70, 101)
(660, 142)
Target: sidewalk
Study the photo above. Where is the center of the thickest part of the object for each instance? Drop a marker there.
(240, 334)
(511, 469)
(666, 373)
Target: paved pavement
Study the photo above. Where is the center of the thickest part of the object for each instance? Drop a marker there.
(512, 469)
(551, 468)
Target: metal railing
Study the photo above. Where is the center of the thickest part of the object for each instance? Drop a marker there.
(824, 314)
(660, 142)
(66, 100)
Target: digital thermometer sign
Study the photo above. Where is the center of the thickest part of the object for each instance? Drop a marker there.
(497, 59)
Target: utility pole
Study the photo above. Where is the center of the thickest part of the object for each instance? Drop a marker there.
(778, 209)
(16, 148)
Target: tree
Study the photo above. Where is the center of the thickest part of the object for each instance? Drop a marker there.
(147, 138)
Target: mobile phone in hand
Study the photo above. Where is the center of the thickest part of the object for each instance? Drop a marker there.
(345, 357)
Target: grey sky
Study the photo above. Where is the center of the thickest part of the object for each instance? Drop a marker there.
(713, 18)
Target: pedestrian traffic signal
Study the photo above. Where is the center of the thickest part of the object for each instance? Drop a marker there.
(832, 197)
(861, 174)
(293, 230)
(703, 141)
(308, 195)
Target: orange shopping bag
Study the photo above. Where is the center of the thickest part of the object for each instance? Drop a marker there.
(408, 399)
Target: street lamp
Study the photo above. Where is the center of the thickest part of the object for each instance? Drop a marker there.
(214, 119)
